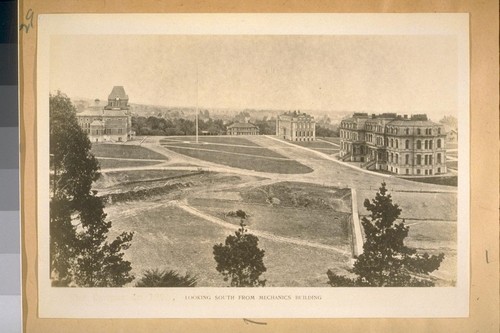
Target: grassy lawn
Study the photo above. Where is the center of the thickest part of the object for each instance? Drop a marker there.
(246, 162)
(452, 164)
(320, 146)
(317, 225)
(445, 180)
(168, 237)
(436, 237)
(125, 151)
(290, 265)
(256, 151)
(230, 140)
(419, 206)
(330, 139)
(112, 164)
(300, 195)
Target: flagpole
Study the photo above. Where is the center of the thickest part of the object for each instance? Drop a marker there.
(197, 102)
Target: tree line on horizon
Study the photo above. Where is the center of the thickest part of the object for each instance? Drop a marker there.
(158, 126)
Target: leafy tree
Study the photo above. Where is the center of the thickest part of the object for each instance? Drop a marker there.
(240, 259)
(386, 261)
(80, 252)
(156, 279)
(450, 121)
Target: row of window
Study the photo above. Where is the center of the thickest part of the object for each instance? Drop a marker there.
(392, 129)
(394, 143)
(304, 133)
(89, 120)
(419, 172)
(303, 125)
(419, 159)
(106, 131)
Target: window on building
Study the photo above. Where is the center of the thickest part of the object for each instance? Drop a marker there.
(430, 159)
(419, 159)
(426, 144)
(439, 158)
(392, 142)
(418, 131)
(439, 130)
(426, 158)
(407, 171)
(430, 144)
(439, 143)
(419, 144)
(407, 144)
(418, 171)
(397, 143)
(439, 170)
(397, 159)
(407, 159)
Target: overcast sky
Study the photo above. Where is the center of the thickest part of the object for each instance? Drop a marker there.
(404, 74)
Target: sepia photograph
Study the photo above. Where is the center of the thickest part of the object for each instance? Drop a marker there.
(310, 164)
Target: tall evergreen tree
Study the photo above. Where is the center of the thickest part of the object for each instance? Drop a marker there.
(240, 259)
(80, 252)
(386, 261)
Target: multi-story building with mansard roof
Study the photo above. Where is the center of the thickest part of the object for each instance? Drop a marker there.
(398, 144)
(111, 122)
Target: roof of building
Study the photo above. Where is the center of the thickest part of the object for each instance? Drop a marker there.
(90, 112)
(118, 92)
(296, 114)
(242, 125)
(96, 123)
(410, 123)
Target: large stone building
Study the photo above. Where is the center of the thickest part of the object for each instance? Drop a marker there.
(393, 143)
(109, 123)
(242, 129)
(296, 126)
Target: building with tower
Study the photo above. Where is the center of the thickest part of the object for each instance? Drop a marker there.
(111, 122)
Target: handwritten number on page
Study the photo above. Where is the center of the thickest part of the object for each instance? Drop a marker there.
(29, 18)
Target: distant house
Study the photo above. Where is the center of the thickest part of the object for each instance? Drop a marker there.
(109, 123)
(242, 129)
(296, 126)
(452, 136)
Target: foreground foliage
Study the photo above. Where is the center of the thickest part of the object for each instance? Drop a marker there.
(386, 261)
(240, 259)
(155, 278)
(80, 254)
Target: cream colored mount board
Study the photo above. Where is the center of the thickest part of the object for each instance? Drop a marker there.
(319, 64)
